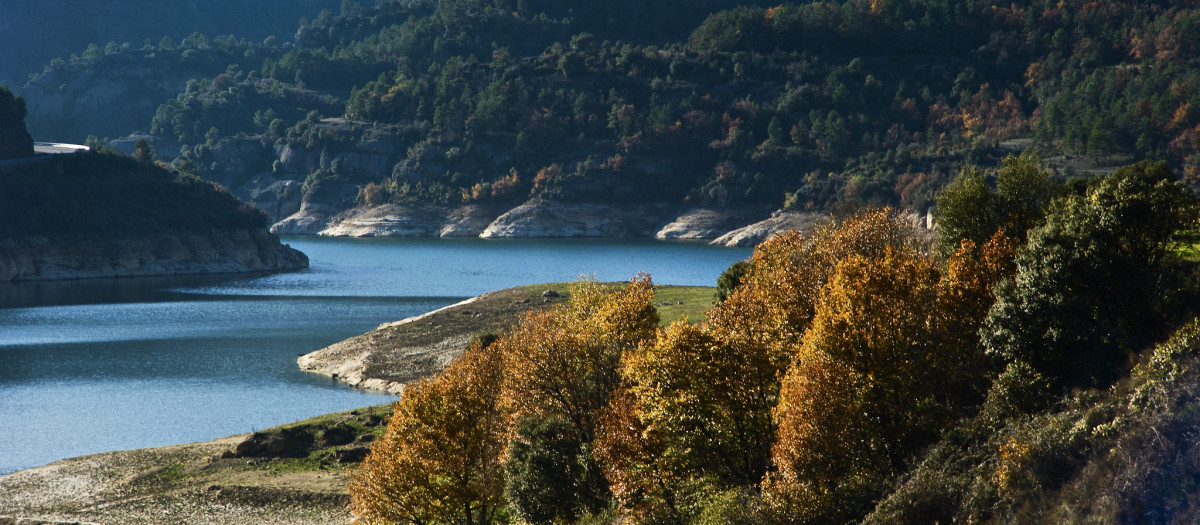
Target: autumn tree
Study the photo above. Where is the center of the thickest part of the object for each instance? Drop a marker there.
(563, 364)
(644, 486)
(711, 401)
(439, 460)
(891, 358)
(563, 361)
(703, 394)
(775, 299)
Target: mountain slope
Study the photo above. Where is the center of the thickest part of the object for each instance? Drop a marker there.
(58, 28)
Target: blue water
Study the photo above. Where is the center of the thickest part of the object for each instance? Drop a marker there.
(99, 365)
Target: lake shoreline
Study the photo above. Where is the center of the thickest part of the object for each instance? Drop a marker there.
(40, 258)
(364, 284)
(729, 227)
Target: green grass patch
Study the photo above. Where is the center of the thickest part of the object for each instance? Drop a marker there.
(672, 302)
(172, 473)
(348, 417)
(1187, 247)
(318, 460)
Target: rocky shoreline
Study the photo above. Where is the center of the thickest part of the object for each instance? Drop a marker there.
(38, 258)
(398, 353)
(725, 227)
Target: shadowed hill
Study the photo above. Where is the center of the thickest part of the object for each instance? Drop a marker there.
(57, 28)
(15, 142)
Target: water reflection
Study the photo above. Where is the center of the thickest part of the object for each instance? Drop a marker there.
(109, 291)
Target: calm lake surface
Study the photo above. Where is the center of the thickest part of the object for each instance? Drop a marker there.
(99, 365)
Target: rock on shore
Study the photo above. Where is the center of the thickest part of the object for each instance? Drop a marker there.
(780, 221)
(739, 227)
(392, 220)
(705, 224)
(561, 220)
(79, 257)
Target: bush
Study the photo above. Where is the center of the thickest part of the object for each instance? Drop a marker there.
(549, 475)
(1096, 280)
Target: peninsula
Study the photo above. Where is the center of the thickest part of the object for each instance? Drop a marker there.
(94, 214)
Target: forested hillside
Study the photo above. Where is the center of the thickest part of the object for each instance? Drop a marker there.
(812, 106)
(37, 32)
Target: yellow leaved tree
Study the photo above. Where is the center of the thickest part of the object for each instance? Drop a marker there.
(702, 395)
(563, 361)
(891, 358)
(439, 460)
(561, 366)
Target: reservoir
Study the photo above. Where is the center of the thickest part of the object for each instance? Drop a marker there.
(111, 364)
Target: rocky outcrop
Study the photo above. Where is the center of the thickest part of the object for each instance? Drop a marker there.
(704, 224)
(392, 220)
(79, 257)
(467, 221)
(310, 220)
(386, 221)
(781, 220)
(560, 220)
(725, 227)
(279, 199)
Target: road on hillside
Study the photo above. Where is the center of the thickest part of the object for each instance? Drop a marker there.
(43, 150)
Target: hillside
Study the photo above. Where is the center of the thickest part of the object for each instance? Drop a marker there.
(101, 214)
(726, 104)
(851, 374)
(52, 29)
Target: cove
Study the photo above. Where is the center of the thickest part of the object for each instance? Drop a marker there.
(99, 365)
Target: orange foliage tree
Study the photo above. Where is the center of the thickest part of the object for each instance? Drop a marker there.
(839, 354)
(563, 362)
(892, 357)
(703, 394)
(439, 460)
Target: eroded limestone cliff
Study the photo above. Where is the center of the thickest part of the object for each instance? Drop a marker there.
(81, 257)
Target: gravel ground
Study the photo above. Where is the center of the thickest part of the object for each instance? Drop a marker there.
(179, 484)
